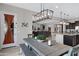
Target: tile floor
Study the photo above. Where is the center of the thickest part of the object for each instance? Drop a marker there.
(11, 51)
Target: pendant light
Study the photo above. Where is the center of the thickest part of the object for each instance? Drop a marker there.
(44, 14)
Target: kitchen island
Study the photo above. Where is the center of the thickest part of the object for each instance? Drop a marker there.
(43, 49)
(71, 39)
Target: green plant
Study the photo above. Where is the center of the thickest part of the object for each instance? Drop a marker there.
(41, 37)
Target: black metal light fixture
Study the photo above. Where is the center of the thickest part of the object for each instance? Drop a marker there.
(44, 14)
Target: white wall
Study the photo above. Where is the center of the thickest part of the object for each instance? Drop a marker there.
(22, 16)
(0, 32)
(36, 26)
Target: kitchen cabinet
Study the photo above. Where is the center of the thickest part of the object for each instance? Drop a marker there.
(70, 26)
(67, 39)
(76, 23)
(71, 40)
(59, 38)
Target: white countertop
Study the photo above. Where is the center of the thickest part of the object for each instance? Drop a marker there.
(66, 33)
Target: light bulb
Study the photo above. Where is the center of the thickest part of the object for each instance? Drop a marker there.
(61, 22)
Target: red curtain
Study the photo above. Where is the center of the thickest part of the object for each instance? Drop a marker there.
(9, 34)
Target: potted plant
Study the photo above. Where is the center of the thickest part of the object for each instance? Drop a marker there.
(41, 38)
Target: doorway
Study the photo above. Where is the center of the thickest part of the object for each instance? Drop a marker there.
(9, 35)
(8, 29)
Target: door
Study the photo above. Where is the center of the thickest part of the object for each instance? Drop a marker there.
(9, 37)
(8, 30)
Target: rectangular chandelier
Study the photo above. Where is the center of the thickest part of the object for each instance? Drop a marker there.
(43, 15)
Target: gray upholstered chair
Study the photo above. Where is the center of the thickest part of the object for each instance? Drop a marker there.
(74, 51)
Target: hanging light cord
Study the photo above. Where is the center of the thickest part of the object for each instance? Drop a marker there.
(42, 6)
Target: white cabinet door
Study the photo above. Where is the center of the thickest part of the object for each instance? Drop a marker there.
(59, 38)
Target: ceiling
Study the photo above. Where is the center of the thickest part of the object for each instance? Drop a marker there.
(71, 9)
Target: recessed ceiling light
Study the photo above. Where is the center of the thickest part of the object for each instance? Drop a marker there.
(56, 6)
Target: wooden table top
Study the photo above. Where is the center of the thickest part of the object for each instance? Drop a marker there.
(44, 50)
